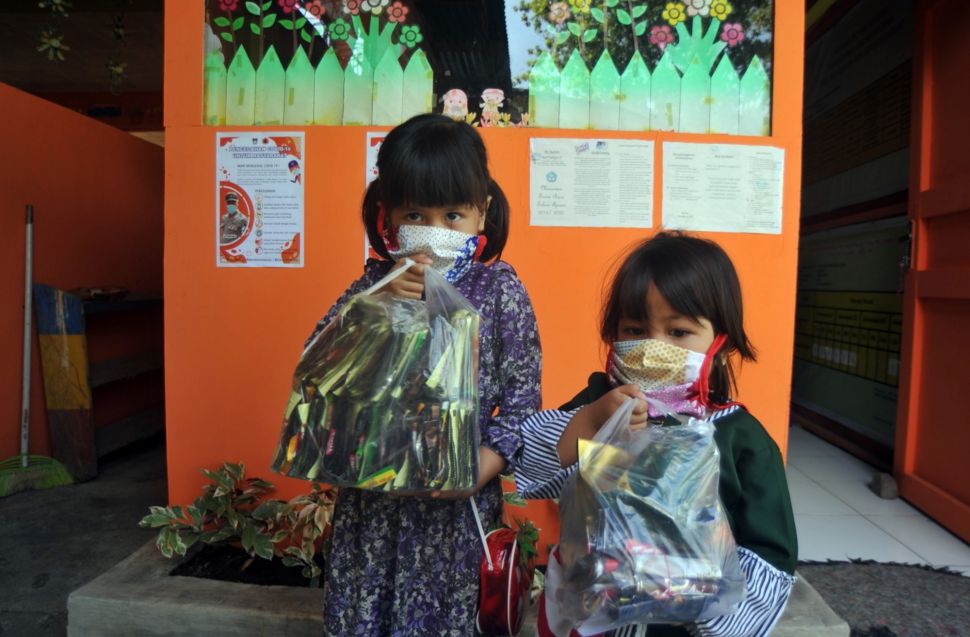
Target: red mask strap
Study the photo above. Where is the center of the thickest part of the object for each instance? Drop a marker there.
(390, 241)
(482, 242)
(703, 381)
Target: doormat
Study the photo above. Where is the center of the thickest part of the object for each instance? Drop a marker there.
(879, 599)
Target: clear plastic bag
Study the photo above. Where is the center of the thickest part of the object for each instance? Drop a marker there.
(644, 537)
(386, 396)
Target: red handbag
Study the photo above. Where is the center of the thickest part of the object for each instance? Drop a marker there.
(503, 597)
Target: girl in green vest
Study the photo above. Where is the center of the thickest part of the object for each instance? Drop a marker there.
(673, 322)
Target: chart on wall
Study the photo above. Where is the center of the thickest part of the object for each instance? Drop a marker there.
(694, 66)
(848, 325)
(259, 199)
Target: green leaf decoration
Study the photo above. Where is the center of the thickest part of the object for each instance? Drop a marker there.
(269, 20)
(255, 29)
(574, 28)
(562, 36)
(306, 36)
(512, 498)
(590, 35)
(639, 10)
(598, 14)
(623, 17)
(267, 5)
(300, 23)
(253, 8)
(221, 22)
(225, 35)
(640, 29)
(238, 23)
(612, 3)
(287, 24)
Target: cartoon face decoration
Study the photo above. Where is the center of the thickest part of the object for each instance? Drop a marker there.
(456, 104)
(492, 99)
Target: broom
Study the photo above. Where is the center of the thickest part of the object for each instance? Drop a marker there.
(26, 471)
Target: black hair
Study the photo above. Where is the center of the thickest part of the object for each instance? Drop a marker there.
(698, 279)
(434, 161)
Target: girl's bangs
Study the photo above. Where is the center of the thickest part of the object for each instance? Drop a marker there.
(436, 176)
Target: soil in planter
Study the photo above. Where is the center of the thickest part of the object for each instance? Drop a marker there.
(224, 563)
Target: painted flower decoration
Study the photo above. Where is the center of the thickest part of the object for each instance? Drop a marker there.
(698, 7)
(674, 13)
(315, 8)
(559, 12)
(52, 43)
(352, 6)
(580, 6)
(287, 6)
(661, 35)
(339, 29)
(374, 6)
(721, 9)
(410, 36)
(228, 5)
(397, 12)
(732, 33)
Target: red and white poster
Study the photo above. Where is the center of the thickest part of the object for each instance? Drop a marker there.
(259, 199)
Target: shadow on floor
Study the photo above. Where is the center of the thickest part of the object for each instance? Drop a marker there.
(54, 541)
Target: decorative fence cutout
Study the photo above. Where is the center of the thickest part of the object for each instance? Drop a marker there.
(694, 87)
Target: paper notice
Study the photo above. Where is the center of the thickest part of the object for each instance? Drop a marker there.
(722, 187)
(605, 183)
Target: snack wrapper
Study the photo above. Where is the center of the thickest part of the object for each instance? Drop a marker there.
(644, 536)
(386, 396)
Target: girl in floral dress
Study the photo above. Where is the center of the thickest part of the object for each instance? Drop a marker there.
(407, 565)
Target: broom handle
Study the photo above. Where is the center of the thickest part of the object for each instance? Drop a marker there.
(28, 316)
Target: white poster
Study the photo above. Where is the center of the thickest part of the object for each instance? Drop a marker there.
(374, 141)
(259, 199)
(604, 183)
(722, 187)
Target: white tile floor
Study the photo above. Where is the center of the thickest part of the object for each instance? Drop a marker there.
(838, 517)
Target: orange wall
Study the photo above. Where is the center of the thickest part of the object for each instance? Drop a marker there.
(233, 335)
(97, 194)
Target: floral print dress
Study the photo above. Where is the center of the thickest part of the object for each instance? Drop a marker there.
(405, 566)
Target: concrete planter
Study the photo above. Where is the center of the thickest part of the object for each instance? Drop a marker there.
(138, 598)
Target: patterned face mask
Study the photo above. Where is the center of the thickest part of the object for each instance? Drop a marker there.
(451, 252)
(664, 372)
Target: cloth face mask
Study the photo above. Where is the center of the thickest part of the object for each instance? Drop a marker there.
(664, 372)
(451, 252)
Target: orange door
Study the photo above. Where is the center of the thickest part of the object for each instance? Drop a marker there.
(932, 462)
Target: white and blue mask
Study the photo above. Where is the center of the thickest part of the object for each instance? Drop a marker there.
(451, 252)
